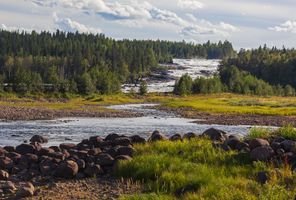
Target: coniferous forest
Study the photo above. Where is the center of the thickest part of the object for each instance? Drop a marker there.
(85, 63)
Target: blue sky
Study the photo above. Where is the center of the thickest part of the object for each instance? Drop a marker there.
(246, 23)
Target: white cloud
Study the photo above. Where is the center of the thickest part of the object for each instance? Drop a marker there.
(288, 26)
(228, 27)
(190, 4)
(69, 25)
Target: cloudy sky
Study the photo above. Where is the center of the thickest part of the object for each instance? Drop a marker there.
(246, 23)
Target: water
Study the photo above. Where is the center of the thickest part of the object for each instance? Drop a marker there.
(76, 129)
(193, 67)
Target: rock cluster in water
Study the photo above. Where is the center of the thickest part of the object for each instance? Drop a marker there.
(28, 165)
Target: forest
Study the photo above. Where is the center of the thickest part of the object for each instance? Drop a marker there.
(84, 63)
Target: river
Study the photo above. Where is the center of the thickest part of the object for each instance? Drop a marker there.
(75, 129)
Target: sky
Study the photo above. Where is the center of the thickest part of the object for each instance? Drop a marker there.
(245, 23)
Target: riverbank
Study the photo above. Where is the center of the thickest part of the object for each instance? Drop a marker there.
(213, 165)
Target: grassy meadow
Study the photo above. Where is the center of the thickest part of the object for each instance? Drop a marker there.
(194, 169)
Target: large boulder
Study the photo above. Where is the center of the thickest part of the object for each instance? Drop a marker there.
(258, 142)
(157, 136)
(122, 141)
(40, 139)
(215, 134)
(4, 175)
(232, 142)
(112, 137)
(26, 148)
(189, 136)
(66, 169)
(262, 153)
(25, 190)
(289, 146)
(137, 139)
(176, 137)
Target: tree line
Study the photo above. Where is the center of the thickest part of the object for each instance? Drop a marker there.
(86, 63)
(230, 79)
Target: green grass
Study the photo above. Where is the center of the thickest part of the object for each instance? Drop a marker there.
(235, 104)
(288, 132)
(206, 173)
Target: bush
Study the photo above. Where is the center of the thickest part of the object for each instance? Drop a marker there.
(143, 90)
(183, 86)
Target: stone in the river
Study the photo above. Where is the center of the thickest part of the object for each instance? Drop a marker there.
(122, 141)
(9, 148)
(215, 134)
(25, 190)
(262, 153)
(45, 151)
(40, 139)
(104, 160)
(94, 151)
(176, 137)
(67, 169)
(95, 140)
(189, 136)
(25, 148)
(157, 136)
(4, 175)
(258, 142)
(7, 185)
(137, 139)
(2, 151)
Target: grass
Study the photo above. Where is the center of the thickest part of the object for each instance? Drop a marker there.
(202, 172)
(235, 104)
(288, 132)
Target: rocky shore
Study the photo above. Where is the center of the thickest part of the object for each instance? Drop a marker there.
(27, 113)
(67, 169)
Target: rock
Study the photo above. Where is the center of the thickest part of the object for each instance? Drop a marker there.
(6, 163)
(94, 140)
(67, 169)
(45, 151)
(289, 146)
(93, 170)
(241, 145)
(112, 137)
(7, 185)
(2, 151)
(215, 134)
(122, 141)
(57, 155)
(176, 137)
(279, 139)
(275, 146)
(55, 148)
(127, 151)
(157, 136)
(123, 157)
(40, 139)
(189, 136)
(67, 146)
(136, 139)
(105, 160)
(262, 153)
(14, 156)
(4, 175)
(94, 151)
(9, 149)
(254, 143)
(262, 177)
(81, 164)
(25, 148)
(233, 142)
(26, 190)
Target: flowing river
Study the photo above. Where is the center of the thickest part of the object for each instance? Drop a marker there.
(76, 129)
